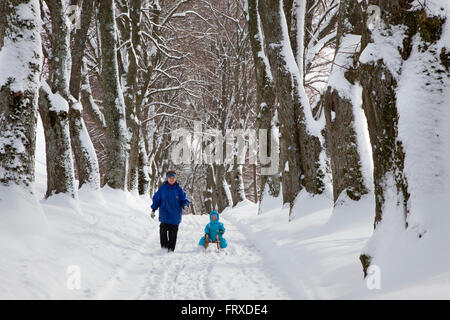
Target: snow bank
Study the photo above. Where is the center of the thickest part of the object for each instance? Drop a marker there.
(269, 202)
(42, 241)
(307, 203)
(37, 265)
(21, 213)
(317, 254)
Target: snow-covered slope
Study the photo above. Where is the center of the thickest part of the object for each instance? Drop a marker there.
(319, 252)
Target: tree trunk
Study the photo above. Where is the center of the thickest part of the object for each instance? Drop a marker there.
(113, 102)
(88, 102)
(265, 96)
(20, 42)
(302, 141)
(209, 193)
(143, 165)
(54, 111)
(130, 94)
(54, 107)
(79, 46)
(83, 149)
(224, 199)
(339, 106)
(255, 184)
(284, 167)
(237, 184)
(379, 103)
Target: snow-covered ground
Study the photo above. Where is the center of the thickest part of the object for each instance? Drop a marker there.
(109, 238)
(106, 243)
(318, 253)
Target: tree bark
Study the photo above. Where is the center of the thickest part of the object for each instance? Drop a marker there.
(341, 138)
(54, 114)
(265, 95)
(303, 148)
(130, 94)
(143, 167)
(222, 188)
(83, 149)
(237, 184)
(54, 107)
(88, 102)
(85, 156)
(19, 40)
(379, 103)
(209, 202)
(79, 46)
(113, 102)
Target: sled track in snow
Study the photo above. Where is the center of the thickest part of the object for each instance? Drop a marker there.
(122, 272)
(192, 272)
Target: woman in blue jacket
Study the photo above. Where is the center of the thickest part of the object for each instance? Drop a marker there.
(171, 200)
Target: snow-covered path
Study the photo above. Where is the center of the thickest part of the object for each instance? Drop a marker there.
(238, 272)
(111, 239)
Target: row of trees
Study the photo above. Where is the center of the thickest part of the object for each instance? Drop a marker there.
(124, 68)
(114, 79)
(360, 98)
(289, 39)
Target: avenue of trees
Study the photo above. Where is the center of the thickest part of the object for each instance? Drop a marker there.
(112, 79)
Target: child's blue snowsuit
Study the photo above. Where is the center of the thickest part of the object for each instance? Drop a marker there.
(213, 229)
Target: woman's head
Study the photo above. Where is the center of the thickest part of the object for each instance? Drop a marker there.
(171, 177)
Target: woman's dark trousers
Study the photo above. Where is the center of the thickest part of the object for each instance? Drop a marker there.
(168, 235)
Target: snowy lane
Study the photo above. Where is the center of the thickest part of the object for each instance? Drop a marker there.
(110, 240)
(238, 272)
(193, 273)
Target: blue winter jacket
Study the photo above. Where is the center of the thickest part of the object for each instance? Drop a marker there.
(170, 199)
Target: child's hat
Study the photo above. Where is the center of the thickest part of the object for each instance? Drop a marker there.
(214, 213)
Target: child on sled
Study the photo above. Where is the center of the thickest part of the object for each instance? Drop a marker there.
(213, 229)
